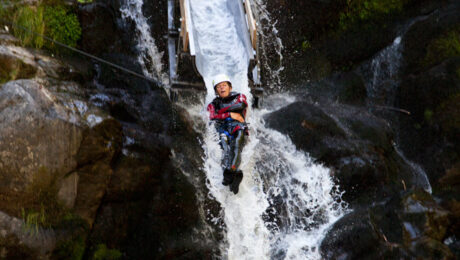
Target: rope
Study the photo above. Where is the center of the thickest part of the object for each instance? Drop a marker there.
(158, 83)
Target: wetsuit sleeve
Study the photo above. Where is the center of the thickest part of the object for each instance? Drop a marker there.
(239, 106)
(213, 115)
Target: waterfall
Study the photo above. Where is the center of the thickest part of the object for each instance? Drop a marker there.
(149, 56)
(382, 79)
(286, 201)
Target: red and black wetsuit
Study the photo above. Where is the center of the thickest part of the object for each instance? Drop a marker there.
(231, 131)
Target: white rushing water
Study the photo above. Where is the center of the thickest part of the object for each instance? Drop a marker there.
(286, 202)
(149, 56)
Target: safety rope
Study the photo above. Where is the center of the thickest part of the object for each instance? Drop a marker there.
(158, 83)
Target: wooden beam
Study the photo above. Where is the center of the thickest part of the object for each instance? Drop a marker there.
(251, 23)
(183, 26)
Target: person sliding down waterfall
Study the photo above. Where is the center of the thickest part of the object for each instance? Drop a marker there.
(228, 111)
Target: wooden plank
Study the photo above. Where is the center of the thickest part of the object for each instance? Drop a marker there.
(184, 29)
(251, 23)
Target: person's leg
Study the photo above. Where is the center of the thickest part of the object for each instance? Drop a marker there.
(226, 161)
(237, 147)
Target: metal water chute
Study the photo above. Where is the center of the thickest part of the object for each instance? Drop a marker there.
(183, 72)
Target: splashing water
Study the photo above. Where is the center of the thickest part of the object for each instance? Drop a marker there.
(149, 56)
(270, 46)
(286, 202)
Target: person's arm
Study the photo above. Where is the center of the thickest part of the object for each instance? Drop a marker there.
(240, 105)
(213, 115)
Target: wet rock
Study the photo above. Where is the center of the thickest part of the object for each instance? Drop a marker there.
(356, 236)
(100, 145)
(428, 135)
(347, 88)
(100, 32)
(403, 226)
(356, 144)
(422, 32)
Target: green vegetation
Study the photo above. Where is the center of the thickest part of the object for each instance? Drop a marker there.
(306, 45)
(85, 1)
(33, 220)
(31, 18)
(428, 114)
(445, 46)
(72, 249)
(62, 26)
(359, 11)
(51, 18)
(103, 253)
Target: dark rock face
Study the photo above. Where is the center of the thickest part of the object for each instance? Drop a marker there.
(100, 33)
(149, 208)
(421, 33)
(409, 225)
(354, 143)
(430, 134)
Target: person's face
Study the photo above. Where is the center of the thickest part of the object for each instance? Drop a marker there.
(223, 89)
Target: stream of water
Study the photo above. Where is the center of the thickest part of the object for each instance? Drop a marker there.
(286, 201)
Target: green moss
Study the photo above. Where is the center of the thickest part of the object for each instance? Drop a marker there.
(74, 246)
(72, 249)
(306, 45)
(428, 114)
(445, 46)
(359, 11)
(103, 253)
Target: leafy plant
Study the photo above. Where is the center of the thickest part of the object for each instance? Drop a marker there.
(445, 46)
(103, 253)
(62, 25)
(32, 19)
(306, 45)
(33, 220)
(368, 10)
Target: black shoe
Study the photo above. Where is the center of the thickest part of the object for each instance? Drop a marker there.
(237, 178)
(228, 177)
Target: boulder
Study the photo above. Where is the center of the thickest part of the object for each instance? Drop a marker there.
(16, 63)
(20, 239)
(40, 139)
(423, 31)
(99, 147)
(356, 144)
(406, 225)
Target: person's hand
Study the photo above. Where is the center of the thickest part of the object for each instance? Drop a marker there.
(237, 117)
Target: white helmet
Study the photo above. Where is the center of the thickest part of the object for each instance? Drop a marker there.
(220, 78)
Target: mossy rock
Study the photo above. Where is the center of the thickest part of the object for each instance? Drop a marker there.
(443, 47)
(12, 68)
(422, 211)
